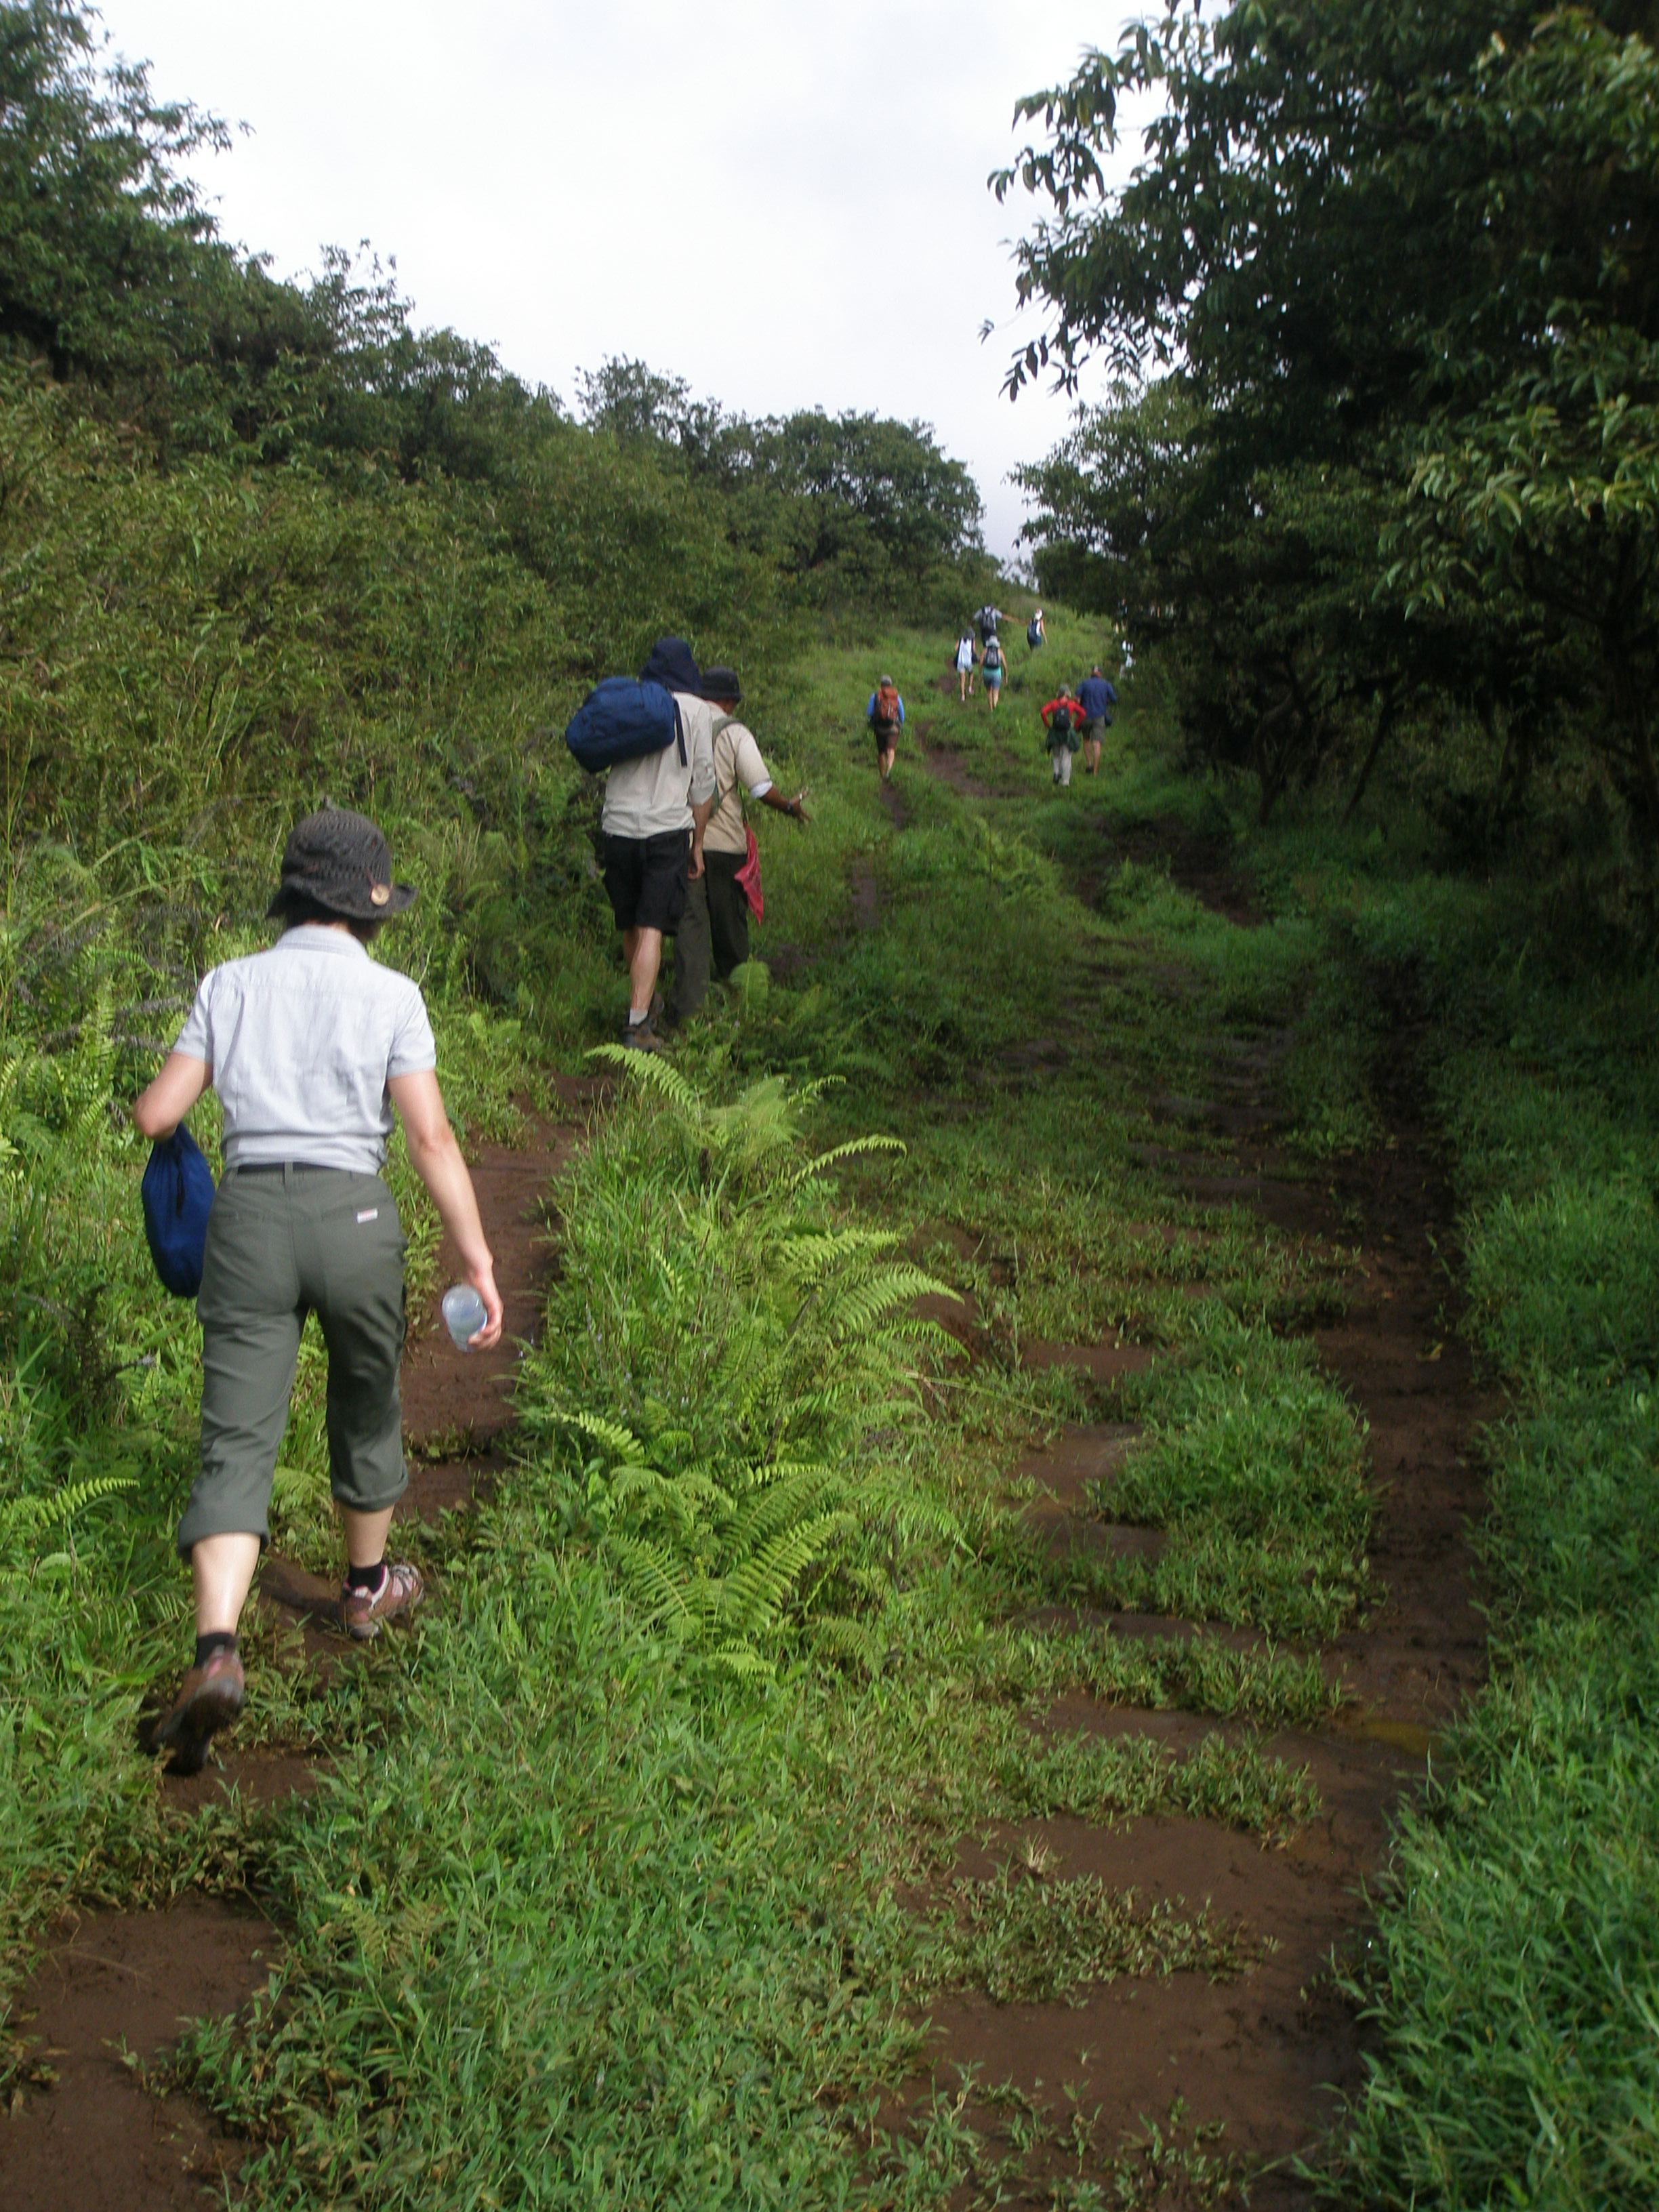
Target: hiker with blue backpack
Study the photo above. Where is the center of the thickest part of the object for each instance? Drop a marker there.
(993, 668)
(312, 1047)
(653, 739)
(1096, 697)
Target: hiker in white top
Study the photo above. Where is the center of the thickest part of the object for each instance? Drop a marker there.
(310, 1046)
(715, 929)
(967, 655)
(656, 809)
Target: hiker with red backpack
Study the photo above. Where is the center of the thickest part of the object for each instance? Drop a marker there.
(715, 929)
(885, 716)
(1060, 718)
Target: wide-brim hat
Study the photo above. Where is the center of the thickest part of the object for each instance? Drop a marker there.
(339, 860)
(721, 683)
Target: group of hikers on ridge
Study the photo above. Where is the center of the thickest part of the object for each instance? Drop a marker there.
(978, 652)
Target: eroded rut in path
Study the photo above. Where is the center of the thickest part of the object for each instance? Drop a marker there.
(87, 2135)
(1265, 2053)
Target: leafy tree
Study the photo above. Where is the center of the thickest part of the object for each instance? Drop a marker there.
(101, 240)
(1418, 247)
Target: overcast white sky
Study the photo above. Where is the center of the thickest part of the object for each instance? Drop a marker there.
(784, 204)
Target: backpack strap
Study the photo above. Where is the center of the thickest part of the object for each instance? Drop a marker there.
(722, 723)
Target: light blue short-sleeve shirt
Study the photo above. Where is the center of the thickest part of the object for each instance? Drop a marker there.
(303, 1041)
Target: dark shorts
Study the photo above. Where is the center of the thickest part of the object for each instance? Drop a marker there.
(1091, 731)
(886, 737)
(645, 879)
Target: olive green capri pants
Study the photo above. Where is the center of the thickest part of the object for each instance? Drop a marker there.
(284, 1242)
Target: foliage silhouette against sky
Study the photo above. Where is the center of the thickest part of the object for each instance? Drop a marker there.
(786, 207)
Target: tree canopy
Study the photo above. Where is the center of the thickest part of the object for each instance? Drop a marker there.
(1398, 270)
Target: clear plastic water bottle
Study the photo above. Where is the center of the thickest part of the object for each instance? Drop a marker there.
(464, 1314)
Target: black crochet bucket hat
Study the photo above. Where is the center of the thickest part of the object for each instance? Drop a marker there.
(339, 860)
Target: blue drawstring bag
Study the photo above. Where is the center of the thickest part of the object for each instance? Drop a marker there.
(177, 1195)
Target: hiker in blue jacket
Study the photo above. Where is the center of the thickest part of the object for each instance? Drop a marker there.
(885, 716)
(1096, 698)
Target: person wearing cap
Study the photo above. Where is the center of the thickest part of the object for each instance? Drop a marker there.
(312, 1047)
(885, 712)
(715, 927)
(656, 810)
(1096, 697)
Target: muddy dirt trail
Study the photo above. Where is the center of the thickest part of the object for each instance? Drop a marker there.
(1268, 2053)
(87, 2135)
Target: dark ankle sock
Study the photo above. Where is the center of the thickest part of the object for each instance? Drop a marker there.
(207, 1645)
(365, 1578)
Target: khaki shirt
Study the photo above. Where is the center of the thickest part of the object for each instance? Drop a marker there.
(736, 760)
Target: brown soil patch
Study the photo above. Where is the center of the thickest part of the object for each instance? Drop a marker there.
(464, 1399)
(98, 2141)
(1200, 865)
(893, 805)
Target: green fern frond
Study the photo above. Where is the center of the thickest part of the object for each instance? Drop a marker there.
(863, 1304)
(611, 1434)
(851, 1150)
(649, 1071)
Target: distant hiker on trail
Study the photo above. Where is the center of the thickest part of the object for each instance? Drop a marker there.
(1060, 719)
(993, 670)
(885, 716)
(656, 811)
(985, 622)
(1096, 698)
(1035, 634)
(718, 909)
(312, 1046)
(967, 655)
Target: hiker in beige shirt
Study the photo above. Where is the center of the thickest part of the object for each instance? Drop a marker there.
(715, 928)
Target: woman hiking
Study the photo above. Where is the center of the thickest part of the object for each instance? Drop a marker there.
(967, 655)
(992, 669)
(311, 1046)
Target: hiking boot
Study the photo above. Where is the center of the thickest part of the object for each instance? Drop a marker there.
(362, 1612)
(641, 1037)
(210, 1697)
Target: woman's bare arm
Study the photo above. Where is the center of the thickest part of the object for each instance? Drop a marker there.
(437, 1160)
(157, 1111)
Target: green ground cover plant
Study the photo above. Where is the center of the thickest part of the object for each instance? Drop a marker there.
(598, 1899)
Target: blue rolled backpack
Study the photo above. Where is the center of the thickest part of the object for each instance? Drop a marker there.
(626, 719)
(177, 1195)
(623, 719)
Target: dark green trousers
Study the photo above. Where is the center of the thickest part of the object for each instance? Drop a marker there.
(281, 1243)
(713, 933)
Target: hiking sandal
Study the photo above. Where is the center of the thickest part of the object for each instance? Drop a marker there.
(362, 1612)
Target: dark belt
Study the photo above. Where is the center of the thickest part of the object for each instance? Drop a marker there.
(286, 1167)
